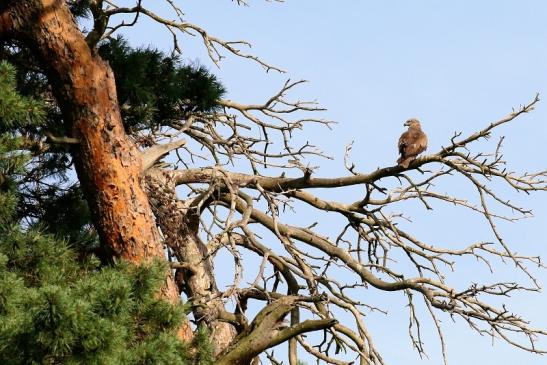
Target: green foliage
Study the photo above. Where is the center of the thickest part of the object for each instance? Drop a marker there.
(55, 308)
(155, 89)
(45, 197)
(203, 346)
(79, 8)
(16, 110)
(21, 121)
(67, 215)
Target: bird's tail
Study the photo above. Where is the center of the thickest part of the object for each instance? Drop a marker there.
(404, 162)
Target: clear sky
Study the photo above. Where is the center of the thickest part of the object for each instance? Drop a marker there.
(456, 65)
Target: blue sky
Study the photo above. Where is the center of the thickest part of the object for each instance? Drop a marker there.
(456, 65)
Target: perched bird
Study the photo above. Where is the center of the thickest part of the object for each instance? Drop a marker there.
(411, 143)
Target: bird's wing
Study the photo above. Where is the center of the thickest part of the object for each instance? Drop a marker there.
(423, 141)
(416, 143)
(403, 143)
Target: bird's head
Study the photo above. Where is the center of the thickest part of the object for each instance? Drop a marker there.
(412, 123)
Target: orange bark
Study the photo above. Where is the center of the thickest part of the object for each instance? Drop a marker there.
(107, 162)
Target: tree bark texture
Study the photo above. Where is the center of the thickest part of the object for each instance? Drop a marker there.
(179, 224)
(107, 162)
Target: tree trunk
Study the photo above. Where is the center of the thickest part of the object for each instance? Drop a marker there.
(179, 224)
(107, 162)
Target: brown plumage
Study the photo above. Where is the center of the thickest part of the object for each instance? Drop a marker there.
(411, 143)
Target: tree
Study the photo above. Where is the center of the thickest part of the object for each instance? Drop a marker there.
(57, 306)
(234, 195)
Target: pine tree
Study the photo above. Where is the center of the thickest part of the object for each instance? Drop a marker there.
(155, 91)
(60, 305)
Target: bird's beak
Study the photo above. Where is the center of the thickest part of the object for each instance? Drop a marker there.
(407, 123)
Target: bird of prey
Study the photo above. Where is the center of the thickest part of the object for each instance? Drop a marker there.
(411, 143)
